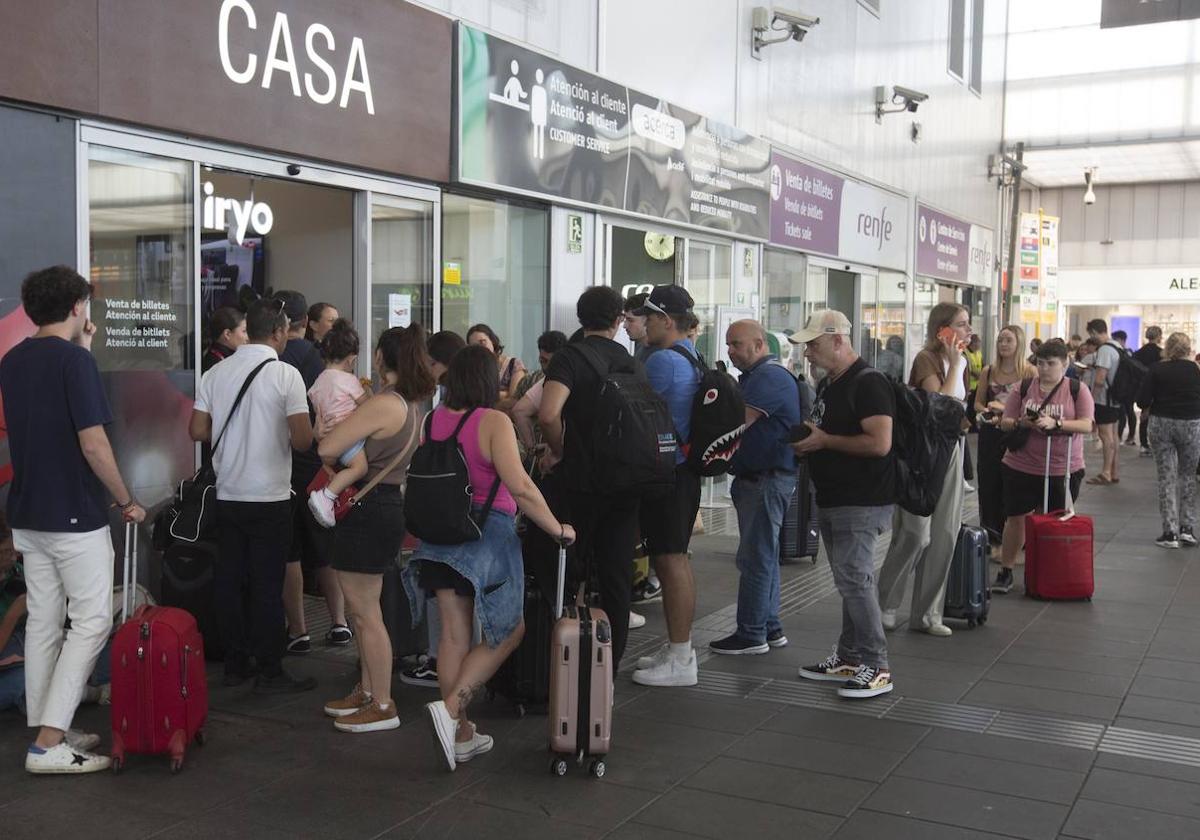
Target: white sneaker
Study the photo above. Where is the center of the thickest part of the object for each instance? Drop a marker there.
(81, 741)
(64, 759)
(655, 659)
(479, 744)
(322, 508)
(968, 487)
(636, 621)
(889, 619)
(444, 730)
(938, 629)
(670, 672)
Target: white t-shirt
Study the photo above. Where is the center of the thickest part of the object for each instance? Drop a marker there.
(254, 460)
(1108, 358)
(960, 385)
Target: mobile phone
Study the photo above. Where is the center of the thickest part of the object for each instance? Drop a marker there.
(798, 433)
(947, 334)
(988, 414)
(1032, 414)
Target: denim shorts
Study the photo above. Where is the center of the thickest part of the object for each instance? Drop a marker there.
(368, 540)
(346, 457)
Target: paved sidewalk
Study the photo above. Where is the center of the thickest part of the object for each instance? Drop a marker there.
(1073, 720)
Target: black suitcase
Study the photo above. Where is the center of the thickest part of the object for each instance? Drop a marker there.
(968, 595)
(187, 583)
(800, 535)
(524, 678)
(397, 616)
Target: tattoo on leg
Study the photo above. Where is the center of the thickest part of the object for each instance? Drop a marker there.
(466, 695)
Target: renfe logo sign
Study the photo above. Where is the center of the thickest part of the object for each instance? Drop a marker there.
(321, 87)
(246, 214)
(875, 227)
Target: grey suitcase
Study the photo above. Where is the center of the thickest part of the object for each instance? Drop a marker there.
(800, 535)
(968, 595)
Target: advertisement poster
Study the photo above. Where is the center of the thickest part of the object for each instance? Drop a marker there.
(1028, 285)
(530, 123)
(1049, 265)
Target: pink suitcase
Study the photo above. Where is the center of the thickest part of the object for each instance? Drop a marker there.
(581, 683)
(159, 686)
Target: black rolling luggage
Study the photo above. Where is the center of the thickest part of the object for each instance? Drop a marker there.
(800, 535)
(187, 583)
(968, 595)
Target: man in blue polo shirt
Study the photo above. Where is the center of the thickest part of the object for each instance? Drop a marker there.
(764, 471)
(667, 521)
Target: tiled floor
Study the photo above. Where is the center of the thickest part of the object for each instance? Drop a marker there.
(1077, 720)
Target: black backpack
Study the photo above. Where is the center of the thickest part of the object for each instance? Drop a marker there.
(1125, 382)
(718, 419)
(633, 445)
(438, 497)
(924, 433)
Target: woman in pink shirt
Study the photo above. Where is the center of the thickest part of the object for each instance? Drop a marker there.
(1056, 410)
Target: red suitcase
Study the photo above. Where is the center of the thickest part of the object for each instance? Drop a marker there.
(1059, 547)
(581, 683)
(159, 686)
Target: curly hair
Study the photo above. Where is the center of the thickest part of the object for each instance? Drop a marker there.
(50, 294)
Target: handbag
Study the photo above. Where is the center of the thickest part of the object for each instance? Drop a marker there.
(195, 507)
(349, 498)
(1017, 437)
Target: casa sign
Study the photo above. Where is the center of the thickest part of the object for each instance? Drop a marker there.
(321, 82)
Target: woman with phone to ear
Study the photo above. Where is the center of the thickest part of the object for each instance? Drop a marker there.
(1007, 370)
(924, 545)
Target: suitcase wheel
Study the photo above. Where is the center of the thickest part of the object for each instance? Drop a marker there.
(201, 737)
(558, 767)
(176, 765)
(117, 763)
(597, 768)
(520, 709)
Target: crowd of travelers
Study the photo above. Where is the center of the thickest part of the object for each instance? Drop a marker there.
(299, 433)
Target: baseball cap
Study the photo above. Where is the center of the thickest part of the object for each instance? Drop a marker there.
(295, 306)
(822, 322)
(666, 300)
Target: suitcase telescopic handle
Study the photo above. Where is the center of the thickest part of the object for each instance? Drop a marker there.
(1066, 477)
(562, 581)
(129, 574)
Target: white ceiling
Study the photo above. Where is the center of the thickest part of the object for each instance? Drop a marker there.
(1121, 163)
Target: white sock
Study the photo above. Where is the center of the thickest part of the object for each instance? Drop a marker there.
(328, 495)
(681, 652)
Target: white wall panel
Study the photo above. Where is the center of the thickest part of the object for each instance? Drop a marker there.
(565, 28)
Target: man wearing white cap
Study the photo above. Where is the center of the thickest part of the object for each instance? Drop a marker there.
(849, 448)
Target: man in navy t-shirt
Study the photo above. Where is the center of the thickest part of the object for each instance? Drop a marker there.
(667, 521)
(64, 473)
(764, 477)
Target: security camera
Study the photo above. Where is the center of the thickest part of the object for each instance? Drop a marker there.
(908, 94)
(1089, 195)
(792, 25)
(907, 98)
(293, 169)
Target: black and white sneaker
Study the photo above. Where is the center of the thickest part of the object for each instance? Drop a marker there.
(735, 645)
(1186, 538)
(648, 591)
(300, 644)
(1146, 453)
(339, 635)
(1004, 581)
(868, 682)
(1167, 540)
(833, 669)
(423, 676)
(776, 639)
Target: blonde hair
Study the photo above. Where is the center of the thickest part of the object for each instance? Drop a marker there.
(1179, 346)
(1018, 361)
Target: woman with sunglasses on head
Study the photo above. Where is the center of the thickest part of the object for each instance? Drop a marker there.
(924, 545)
(510, 369)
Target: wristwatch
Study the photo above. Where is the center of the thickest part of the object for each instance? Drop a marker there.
(1058, 424)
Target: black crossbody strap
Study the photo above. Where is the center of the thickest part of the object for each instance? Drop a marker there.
(238, 401)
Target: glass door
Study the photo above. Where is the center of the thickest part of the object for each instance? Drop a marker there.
(401, 277)
(708, 277)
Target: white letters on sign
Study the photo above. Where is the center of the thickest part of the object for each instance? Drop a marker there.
(246, 215)
(320, 83)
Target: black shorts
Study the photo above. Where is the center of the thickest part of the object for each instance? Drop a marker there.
(368, 540)
(433, 576)
(667, 520)
(1023, 492)
(1106, 414)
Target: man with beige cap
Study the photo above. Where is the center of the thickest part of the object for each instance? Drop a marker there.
(849, 449)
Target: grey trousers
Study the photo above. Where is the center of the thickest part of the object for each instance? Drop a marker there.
(924, 546)
(850, 535)
(1176, 448)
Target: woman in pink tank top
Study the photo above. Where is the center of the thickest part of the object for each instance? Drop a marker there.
(483, 579)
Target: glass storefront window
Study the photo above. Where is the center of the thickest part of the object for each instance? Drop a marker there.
(890, 325)
(710, 283)
(495, 270)
(401, 260)
(783, 279)
(140, 219)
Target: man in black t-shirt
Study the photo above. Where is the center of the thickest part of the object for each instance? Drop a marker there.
(64, 474)
(605, 522)
(1148, 354)
(849, 447)
(311, 542)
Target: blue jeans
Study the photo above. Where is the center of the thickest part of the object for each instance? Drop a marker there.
(12, 679)
(850, 535)
(760, 508)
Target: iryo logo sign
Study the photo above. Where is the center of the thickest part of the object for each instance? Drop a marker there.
(246, 215)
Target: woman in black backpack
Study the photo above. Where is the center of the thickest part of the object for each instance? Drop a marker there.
(483, 577)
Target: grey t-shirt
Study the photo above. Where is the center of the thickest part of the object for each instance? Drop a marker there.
(1108, 358)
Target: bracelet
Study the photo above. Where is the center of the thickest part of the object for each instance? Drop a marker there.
(562, 532)
(126, 506)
